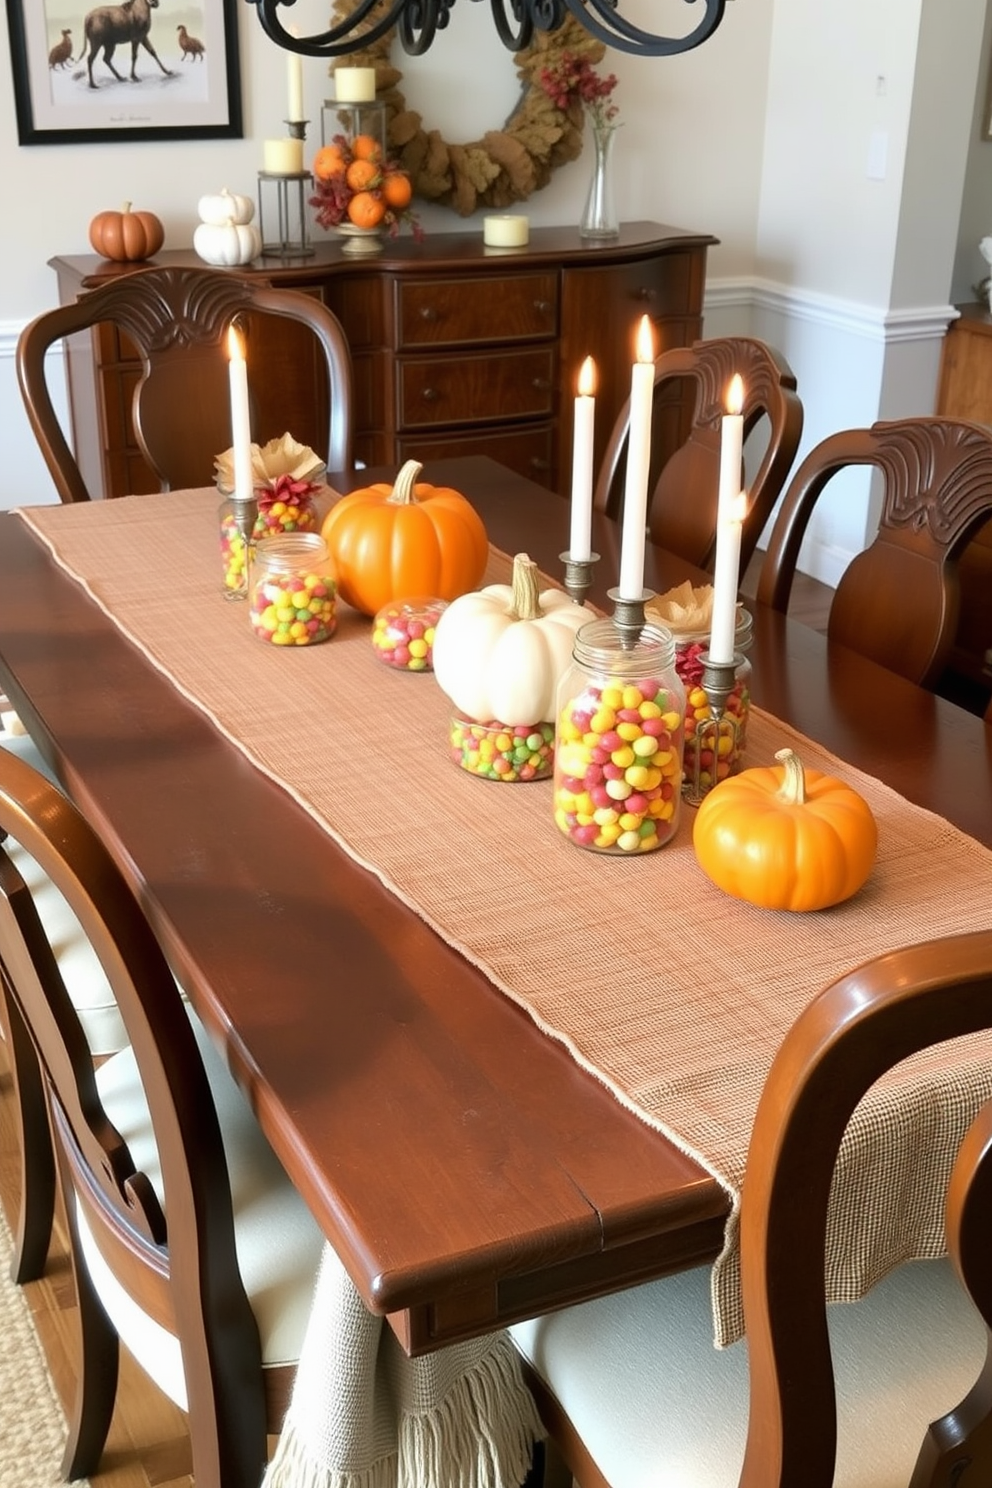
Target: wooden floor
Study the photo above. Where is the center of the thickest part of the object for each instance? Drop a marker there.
(148, 1445)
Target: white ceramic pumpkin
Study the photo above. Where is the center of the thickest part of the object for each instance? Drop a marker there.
(225, 206)
(228, 243)
(500, 652)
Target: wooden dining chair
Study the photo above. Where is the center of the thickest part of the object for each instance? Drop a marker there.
(177, 319)
(631, 1388)
(188, 1241)
(682, 498)
(898, 601)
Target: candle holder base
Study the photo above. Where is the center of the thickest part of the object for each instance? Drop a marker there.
(297, 128)
(283, 198)
(629, 616)
(578, 575)
(716, 736)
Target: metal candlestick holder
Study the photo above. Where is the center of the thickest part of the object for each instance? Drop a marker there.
(578, 575)
(718, 682)
(245, 514)
(629, 616)
(283, 197)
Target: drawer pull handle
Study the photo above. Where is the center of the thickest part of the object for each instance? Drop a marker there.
(536, 463)
(644, 293)
(541, 383)
(430, 395)
(544, 306)
(427, 312)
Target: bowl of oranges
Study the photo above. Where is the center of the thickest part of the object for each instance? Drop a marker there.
(360, 192)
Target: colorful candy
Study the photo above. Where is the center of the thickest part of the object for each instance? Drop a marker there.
(618, 766)
(500, 752)
(293, 608)
(403, 633)
(274, 518)
(723, 746)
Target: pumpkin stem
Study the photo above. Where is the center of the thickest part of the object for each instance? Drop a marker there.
(793, 788)
(126, 207)
(526, 601)
(403, 493)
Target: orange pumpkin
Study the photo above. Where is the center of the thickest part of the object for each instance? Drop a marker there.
(126, 237)
(389, 542)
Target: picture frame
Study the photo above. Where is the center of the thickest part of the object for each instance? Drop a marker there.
(184, 82)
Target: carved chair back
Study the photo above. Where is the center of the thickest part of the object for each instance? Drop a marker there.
(186, 1271)
(177, 320)
(682, 497)
(898, 601)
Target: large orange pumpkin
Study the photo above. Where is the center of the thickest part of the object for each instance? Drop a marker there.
(389, 542)
(127, 237)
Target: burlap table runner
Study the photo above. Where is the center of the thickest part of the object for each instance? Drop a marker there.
(673, 994)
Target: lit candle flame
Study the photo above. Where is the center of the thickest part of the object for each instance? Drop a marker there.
(587, 378)
(735, 394)
(645, 340)
(235, 345)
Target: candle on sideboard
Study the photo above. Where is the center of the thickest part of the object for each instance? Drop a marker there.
(726, 578)
(635, 494)
(354, 84)
(244, 485)
(505, 231)
(731, 446)
(282, 157)
(580, 541)
(294, 79)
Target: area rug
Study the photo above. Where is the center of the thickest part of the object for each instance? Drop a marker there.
(32, 1426)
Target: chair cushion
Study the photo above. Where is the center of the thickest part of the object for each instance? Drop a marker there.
(657, 1405)
(279, 1243)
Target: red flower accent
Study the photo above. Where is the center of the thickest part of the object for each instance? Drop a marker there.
(574, 79)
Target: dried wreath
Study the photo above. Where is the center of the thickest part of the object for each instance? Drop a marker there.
(507, 165)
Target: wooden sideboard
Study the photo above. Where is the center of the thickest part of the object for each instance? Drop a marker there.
(965, 391)
(457, 348)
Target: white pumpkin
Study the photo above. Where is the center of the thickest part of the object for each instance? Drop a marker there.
(227, 243)
(500, 652)
(226, 206)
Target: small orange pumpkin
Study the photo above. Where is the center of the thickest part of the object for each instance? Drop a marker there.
(784, 837)
(126, 237)
(389, 542)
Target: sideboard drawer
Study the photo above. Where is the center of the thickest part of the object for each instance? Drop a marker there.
(460, 312)
(476, 389)
(529, 448)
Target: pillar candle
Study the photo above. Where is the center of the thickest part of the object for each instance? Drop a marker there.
(505, 231)
(244, 485)
(283, 157)
(354, 84)
(294, 78)
(726, 577)
(731, 446)
(635, 495)
(580, 541)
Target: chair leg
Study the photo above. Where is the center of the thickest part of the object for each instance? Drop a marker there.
(96, 1381)
(36, 1213)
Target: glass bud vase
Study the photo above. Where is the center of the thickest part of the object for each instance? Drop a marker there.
(599, 220)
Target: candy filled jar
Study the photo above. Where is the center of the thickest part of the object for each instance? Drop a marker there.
(285, 506)
(619, 742)
(292, 598)
(713, 750)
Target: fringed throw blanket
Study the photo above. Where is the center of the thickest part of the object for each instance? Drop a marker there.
(363, 1415)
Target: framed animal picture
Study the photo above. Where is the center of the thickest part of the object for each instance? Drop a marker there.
(142, 69)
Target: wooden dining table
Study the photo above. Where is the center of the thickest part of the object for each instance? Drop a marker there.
(468, 1171)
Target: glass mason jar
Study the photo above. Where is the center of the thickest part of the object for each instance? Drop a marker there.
(292, 590)
(280, 509)
(713, 751)
(618, 745)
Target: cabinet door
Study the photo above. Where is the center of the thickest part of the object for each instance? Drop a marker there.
(601, 307)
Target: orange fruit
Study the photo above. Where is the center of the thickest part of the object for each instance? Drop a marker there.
(397, 190)
(361, 173)
(364, 147)
(328, 162)
(366, 210)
